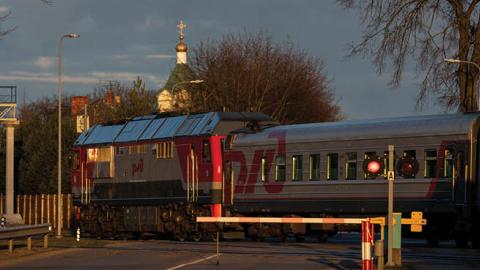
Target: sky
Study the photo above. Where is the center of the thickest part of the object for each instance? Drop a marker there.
(123, 39)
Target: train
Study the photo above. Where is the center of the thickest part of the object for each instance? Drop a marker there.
(155, 174)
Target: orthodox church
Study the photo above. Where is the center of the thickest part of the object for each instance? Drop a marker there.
(174, 96)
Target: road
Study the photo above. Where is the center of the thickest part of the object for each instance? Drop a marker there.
(341, 252)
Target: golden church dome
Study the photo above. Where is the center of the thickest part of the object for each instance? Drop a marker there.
(181, 46)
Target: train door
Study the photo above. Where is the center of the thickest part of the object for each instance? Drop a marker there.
(459, 174)
(192, 174)
(228, 184)
(76, 176)
(216, 192)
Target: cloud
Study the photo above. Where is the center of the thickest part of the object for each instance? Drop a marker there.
(151, 22)
(90, 78)
(4, 9)
(160, 56)
(44, 62)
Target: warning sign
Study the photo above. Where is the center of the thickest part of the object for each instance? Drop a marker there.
(390, 175)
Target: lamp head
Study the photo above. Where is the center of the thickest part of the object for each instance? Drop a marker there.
(449, 60)
(72, 35)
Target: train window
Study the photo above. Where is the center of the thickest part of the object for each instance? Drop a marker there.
(104, 154)
(332, 166)
(137, 149)
(231, 138)
(297, 168)
(430, 163)
(92, 154)
(280, 168)
(103, 158)
(448, 164)
(120, 150)
(154, 150)
(315, 167)
(351, 166)
(263, 167)
(165, 150)
(206, 150)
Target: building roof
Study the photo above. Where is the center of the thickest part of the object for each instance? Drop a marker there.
(180, 73)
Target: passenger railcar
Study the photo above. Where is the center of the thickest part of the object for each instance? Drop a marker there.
(326, 169)
(311, 170)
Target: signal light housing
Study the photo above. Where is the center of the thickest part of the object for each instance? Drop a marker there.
(373, 166)
(407, 167)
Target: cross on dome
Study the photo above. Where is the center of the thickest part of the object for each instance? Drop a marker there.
(181, 26)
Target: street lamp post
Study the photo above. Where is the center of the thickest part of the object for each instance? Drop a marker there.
(183, 82)
(59, 163)
(458, 61)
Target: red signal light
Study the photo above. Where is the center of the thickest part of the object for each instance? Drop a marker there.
(373, 166)
(407, 167)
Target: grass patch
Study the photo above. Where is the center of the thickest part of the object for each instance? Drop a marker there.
(20, 245)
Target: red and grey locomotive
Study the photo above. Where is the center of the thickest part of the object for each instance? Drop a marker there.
(155, 174)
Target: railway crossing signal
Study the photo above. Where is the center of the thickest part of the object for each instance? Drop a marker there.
(407, 167)
(373, 166)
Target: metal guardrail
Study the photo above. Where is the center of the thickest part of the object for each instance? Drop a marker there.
(25, 231)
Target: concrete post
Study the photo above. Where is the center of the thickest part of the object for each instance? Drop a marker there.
(45, 241)
(9, 171)
(29, 243)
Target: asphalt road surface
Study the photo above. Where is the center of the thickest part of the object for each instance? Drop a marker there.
(340, 252)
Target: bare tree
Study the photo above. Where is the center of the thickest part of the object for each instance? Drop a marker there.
(4, 32)
(428, 31)
(134, 100)
(3, 19)
(249, 73)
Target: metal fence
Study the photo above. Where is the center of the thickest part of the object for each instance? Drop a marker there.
(41, 208)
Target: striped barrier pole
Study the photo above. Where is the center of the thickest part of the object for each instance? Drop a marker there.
(367, 243)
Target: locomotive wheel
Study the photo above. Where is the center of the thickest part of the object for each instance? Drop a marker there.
(197, 237)
(180, 236)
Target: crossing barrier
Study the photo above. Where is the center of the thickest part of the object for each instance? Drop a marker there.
(416, 222)
(367, 244)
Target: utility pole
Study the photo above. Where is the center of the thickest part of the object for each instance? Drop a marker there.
(8, 118)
